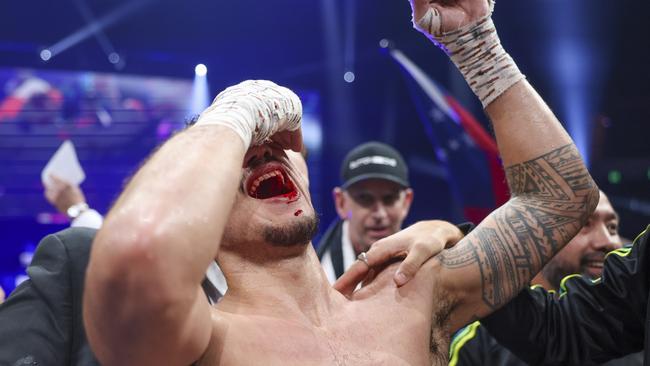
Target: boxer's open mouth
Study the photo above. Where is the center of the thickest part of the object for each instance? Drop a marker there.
(270, 183)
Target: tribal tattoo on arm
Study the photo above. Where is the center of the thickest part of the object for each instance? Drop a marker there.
(553, 195)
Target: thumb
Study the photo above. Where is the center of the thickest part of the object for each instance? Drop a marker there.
(407, 269)
(348, 282)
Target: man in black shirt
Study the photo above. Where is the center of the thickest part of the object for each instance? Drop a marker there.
(585, 255)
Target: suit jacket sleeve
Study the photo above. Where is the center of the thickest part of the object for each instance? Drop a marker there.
(590, 322)
(37, 320)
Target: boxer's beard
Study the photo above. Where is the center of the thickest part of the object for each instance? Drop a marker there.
(299, 232)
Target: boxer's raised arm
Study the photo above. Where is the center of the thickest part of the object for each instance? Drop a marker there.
(143, 303)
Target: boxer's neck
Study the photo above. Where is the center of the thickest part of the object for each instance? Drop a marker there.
(294, 287)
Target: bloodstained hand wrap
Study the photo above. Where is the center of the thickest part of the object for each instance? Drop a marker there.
(476, 51)
(255, 110)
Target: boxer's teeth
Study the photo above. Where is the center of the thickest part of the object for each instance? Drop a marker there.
(253, 189)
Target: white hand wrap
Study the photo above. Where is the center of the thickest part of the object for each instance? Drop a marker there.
(255, 110)
(476, 51)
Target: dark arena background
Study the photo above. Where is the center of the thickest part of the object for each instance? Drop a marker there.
(119, 77)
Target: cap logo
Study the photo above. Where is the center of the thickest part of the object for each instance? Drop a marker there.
(376, 159)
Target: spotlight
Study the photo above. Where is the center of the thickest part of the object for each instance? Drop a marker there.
(46, 55)
(200, 98)
(114, 58)
(348, 76)
(384, 43)
(201, 70)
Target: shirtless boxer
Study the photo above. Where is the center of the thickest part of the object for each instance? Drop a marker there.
(225, 189)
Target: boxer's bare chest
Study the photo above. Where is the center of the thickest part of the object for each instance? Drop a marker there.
(384, 326)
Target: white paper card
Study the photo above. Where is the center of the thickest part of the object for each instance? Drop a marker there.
(65, 165)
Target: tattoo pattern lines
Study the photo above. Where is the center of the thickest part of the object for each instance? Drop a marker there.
(552, 196)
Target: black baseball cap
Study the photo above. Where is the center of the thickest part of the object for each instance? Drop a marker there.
(374, 160)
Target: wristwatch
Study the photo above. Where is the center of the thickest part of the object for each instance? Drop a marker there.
(77, 209)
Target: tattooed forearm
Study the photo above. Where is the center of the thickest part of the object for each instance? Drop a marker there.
(552, 197)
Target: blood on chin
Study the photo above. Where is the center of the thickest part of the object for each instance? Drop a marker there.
(280, 208)
(285, 199)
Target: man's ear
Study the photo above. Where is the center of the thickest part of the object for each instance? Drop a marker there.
(408, 199)
(339, 202)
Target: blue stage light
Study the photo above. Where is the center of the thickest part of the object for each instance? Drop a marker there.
(200, 91)
(46, 55)
(114, 58)
(201, 70)
(349, 76)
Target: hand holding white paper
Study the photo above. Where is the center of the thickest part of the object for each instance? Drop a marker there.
(64, 165)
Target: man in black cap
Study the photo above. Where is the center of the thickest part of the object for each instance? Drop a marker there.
(372, 203)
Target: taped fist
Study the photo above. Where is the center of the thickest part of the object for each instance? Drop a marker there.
(437, 17)
(258, 110)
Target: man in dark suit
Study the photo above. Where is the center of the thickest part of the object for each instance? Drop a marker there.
(41, 322)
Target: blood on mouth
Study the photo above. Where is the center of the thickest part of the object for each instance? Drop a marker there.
(272, 184)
